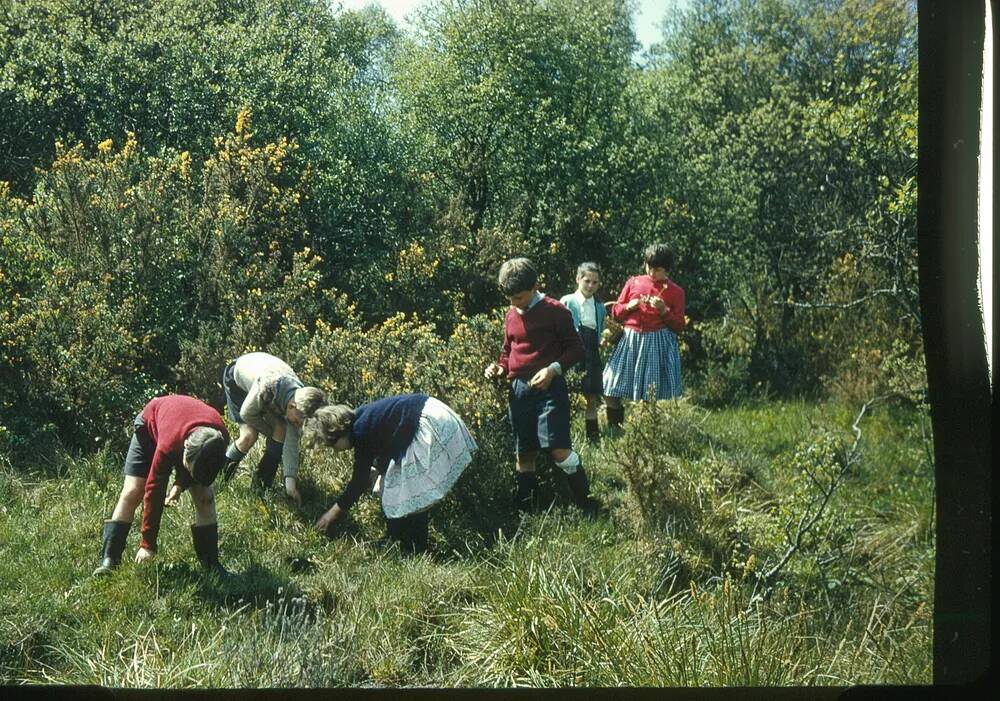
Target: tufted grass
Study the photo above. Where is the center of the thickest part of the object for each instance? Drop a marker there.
(558, 601)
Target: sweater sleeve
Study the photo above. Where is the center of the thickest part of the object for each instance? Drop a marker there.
(569, 340)
(360, 478)
(504, 360)
(290, 451)
(254, 409)
(156, 494)
(618, 311)
(674, 318)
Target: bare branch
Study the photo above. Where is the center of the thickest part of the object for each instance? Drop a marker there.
(840, 305)
(807, 521)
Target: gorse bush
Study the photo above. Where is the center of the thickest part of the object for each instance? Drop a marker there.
(402, 170)
(155, 277)
(356, 364)
(723, 516)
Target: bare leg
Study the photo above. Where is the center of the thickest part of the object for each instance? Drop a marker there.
(248, 436)
(132, 493)
(560, 454)
(204, 504)
(526, 461)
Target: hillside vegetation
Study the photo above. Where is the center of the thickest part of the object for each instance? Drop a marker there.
(182, 182)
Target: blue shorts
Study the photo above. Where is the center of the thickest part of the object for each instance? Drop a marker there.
(539, 417)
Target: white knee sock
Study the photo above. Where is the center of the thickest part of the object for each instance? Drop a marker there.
(570, 464)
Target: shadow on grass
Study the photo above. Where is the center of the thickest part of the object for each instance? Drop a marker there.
(255, 585)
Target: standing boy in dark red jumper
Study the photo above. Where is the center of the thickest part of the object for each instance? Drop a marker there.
(171, 432)
(540, 344)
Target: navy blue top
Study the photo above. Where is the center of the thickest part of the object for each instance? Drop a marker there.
(381, 432)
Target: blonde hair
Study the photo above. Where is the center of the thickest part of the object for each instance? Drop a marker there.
(329, 424)
(308, 400)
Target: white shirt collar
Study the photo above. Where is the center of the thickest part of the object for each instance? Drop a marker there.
(534, 300)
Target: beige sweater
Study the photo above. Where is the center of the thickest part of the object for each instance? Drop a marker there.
(269, 383)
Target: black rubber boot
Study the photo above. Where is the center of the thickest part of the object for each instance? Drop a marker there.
(580, 486)
(525, 484)
(115, 535)
(416, 530)
(410, 532)
(593, 431)
(616, 417)
(263, 476)
(206, 547)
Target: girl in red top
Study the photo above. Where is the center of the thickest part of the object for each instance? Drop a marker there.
(646, 363)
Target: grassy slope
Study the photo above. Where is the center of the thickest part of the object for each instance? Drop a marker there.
(564, 602)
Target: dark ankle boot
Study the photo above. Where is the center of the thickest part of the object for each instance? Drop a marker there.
(115, 535)
(415, 533)
(409, 532)
(206, 547)
(593, 431)
(263, 476)
(525, 484)
(233, 458)
(616, 417)
(579, 485)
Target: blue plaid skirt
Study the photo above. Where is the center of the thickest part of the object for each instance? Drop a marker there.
(644, 361)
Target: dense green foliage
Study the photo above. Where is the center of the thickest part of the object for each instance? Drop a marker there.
(772, 144)
(182, 182)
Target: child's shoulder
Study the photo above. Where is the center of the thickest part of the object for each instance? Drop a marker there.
(566, 299)
(554, 303)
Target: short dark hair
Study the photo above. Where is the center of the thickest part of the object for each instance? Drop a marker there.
(517, 275)
(658, 255)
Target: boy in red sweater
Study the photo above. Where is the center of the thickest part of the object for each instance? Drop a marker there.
(171, 432)
(540, 344)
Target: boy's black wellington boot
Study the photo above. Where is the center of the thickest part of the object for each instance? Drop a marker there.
(263, 476)
(115, 535)
(593, 431)
(579, 484)
(206, 547)
(525, 484)
(229, 468)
